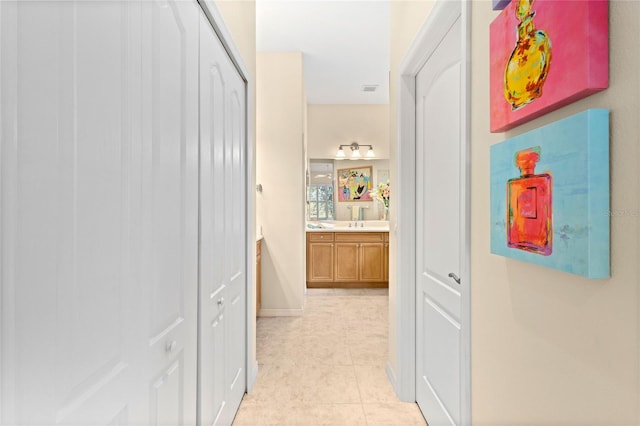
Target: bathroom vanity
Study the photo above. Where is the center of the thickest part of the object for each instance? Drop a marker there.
(355, 257)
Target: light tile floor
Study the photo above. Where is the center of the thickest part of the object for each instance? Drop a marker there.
(327, 367)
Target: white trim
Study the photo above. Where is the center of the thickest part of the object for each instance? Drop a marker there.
(217, 23)
(252, 376)
(280, 312)
(444, 13)
(391, 375)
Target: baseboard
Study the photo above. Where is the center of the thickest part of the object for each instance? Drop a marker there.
(253, 375)
(391, 375)
(280, 312)
(354, 284)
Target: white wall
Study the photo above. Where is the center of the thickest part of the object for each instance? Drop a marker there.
(280, 171)
(333, 125)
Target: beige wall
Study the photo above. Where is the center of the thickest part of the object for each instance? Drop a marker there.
(333, 125)
(549, 347)
(280, 170)
(407, 18)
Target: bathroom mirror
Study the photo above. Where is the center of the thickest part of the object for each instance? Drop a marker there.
(322, 201)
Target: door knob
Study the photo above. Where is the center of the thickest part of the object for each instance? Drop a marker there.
(455, 277)
(170, 346)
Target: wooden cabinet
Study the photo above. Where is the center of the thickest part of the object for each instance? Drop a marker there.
(347, 259)
(320, 257)
(371, 262)
(386, 257)
(258, 276)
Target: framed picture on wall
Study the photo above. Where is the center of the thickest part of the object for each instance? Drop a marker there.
(354, 184)
(546, 54)
(550, 195)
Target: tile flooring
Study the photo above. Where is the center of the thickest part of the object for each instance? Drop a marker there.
(326, 367)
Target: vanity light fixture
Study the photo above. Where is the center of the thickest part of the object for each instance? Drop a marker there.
(355, 151)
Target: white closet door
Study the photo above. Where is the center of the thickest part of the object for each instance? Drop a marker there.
(99, 212)
(68, 293)
(222, 233)
(169, 256)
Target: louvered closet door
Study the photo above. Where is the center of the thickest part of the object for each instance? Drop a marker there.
(222, 233)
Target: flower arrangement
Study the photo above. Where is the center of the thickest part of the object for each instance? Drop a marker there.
(381, 193)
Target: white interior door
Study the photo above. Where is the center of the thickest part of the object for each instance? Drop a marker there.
(222, 233)
(70, 352)
(169, 255)
(440, 231)
(99, 115)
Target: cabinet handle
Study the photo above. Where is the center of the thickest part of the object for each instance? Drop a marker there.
(170, 346)
(221, 301)
(321, 236)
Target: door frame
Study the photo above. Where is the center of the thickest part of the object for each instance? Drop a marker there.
(439, 21)
(214, 17)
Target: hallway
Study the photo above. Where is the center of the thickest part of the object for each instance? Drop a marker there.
(328, 366)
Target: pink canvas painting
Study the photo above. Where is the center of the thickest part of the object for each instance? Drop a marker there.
(545, 54)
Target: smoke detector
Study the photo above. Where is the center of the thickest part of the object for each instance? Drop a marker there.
(369, 87)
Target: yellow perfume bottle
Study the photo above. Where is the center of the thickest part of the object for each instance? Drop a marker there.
(529, 63)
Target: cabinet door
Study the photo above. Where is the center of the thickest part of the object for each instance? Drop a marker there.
(258, 277)
(347, 261)
(386, 261)
(371, 262)
(320, 262)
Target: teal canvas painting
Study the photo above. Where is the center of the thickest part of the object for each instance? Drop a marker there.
(550, 195)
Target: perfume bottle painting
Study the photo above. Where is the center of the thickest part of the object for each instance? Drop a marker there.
(528, 65)
(529, 215)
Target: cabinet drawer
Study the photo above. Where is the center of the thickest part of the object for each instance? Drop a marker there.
(319, 236)
(360, 237)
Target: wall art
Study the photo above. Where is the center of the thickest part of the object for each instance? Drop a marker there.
(550, 195)
(545, 54)
(354, 184)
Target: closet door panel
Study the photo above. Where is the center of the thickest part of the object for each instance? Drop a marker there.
(214, 180)
(66, 292)
(235, 214)
(170, 205)
(222, 239)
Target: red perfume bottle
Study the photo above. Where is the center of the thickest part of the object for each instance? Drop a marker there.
(529, 219)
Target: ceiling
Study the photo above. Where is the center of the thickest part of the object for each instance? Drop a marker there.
(345, 45)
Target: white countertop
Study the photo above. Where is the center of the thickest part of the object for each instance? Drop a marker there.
(362, 226)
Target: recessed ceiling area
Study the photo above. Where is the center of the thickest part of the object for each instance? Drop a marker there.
(345, 46)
